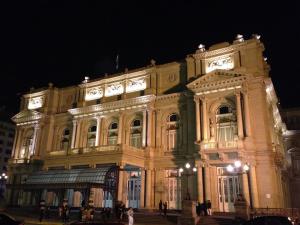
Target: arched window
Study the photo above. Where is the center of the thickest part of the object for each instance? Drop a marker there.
(65, 139)
(172, 131)
(136, 133)
(226, 125)
(92, 134)
(26, 150)
(112, 133)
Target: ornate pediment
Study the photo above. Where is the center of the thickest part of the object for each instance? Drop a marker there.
(217, 80)
(27, 116)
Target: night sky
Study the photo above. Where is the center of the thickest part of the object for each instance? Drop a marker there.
(63, 41)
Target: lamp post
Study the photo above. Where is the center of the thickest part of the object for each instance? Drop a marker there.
(188, 171)
(239, 168)
(3, 179)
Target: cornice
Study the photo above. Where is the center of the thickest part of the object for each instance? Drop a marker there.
(139, 102)
(27, 117)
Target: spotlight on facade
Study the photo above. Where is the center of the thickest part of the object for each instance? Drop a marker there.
(230, 168)
(256, 36)
(187, 165)
(237, 164)
(201, 48)
(239, 38)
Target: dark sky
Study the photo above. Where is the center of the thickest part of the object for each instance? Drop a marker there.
(63, 41)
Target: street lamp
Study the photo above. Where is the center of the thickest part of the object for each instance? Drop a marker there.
(3, 179)
(187, 172)
(239, 168)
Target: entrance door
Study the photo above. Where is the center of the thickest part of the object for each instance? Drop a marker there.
(229, 188)
(107, 200)
(173, 189)
(134, 190)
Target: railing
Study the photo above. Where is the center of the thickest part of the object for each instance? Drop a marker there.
(225, 144)
(293, 213)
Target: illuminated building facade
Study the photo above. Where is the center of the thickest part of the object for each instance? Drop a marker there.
(217, 107)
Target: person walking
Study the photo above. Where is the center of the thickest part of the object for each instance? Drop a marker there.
(65, 212)
(160, 207)
(165, 208)
(209, 208)
(130, 216)
(42, 210)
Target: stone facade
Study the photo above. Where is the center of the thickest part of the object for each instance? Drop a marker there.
(217, 107)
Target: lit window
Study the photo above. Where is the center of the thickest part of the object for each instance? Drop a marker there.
(135, 134)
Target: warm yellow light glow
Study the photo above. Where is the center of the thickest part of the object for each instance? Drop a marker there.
(195, 169)
(237, 164)
(35, 103)
(230, 168)
(246, 167)
(187, 165)
(180, 170)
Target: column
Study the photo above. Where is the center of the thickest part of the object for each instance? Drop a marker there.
(15, 143)
(207, 183)
(198, 121)
(247, 114)
(120, 128)
(74, 133)
(200, 184)
(144, 128)
(18, 144)
(142, 193)
(239, 115)
(120, 184)
(34, 141)
(204, 113)
(148, 188)
(149, 127)
(253, 186)
(78, 134)
(98, 131)
(246, 188)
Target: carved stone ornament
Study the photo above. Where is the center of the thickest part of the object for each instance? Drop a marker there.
(36, 102)
(114, 89)
(220, 63)
(93, 93)
(136, 85)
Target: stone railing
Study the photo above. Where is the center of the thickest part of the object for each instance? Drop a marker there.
(94, 149)
(225, 144)
(292, 213)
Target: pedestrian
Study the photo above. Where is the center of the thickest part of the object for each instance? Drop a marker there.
(122, 211)
(160, 207)
(209, 208)
(65, 211)
(130, 216)
(42, 210)
(165, 208)
(204, 207)
(198, 209)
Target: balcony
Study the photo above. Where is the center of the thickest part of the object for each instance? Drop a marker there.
(220, 145)
(93, 149)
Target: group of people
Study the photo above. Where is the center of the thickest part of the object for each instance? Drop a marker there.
(163, 208)
(204, 209)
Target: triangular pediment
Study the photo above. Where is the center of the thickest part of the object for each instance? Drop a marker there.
(217, 79)
(26, 116)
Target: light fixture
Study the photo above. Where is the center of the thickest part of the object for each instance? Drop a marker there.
(237, 164)
(180, 170)
(201, 47)
(187, 165)
(3, 174)
(230, 168)
(239, 38)
(256, 36)
(245, 167)
(265, 59)
(195, 169)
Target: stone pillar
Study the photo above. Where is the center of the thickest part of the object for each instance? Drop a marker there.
(15, 143)
(78, 134)
(74, 133)
(142, 193)
(149, 127)
(239, 115)
(207, 183)
(253, 186)
(148, 188)
(33, 149)
(144, 141)
(18, 144)
(198, 119)
(246, 188)
(205, 118)
(247, 114)
(98, 131)
(200, 184)
(120, 184)
(120, 128)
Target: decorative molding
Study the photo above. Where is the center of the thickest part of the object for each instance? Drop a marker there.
(224, 62)
(93, 93)
(112, 89)
(27, 117)
(139, 102)
(136, 84)
(36, 102)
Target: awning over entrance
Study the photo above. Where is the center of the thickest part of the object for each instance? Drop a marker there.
(105, 177)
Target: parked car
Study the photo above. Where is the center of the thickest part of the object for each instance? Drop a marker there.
(6, 219)
(269, 220)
